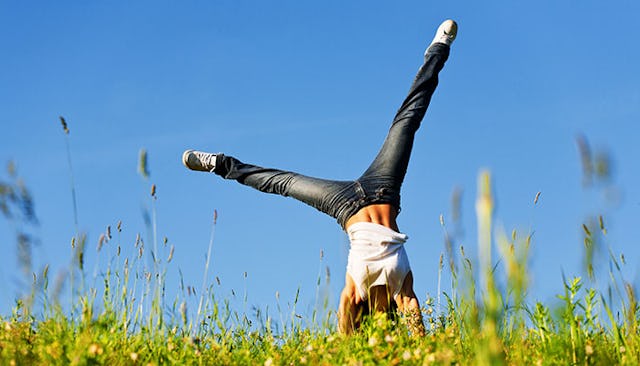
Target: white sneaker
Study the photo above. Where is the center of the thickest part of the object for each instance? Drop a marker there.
(199, 160)
(446, 32)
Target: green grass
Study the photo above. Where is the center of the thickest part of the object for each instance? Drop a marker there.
(122, 316)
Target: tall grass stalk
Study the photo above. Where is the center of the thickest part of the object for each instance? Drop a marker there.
(489, 350)
(484, 215)
(72, 183)
(205, 275)
(76, 252)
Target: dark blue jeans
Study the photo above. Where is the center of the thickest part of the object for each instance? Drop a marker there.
(379, 184)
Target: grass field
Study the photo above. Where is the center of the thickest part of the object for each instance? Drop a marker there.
(122, 317)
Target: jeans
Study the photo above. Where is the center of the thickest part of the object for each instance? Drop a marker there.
(379, 184)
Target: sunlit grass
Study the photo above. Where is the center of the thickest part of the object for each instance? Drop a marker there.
(119, 314)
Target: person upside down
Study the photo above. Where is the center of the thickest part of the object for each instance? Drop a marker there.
(379, 276)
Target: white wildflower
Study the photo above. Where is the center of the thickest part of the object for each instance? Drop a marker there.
(373, 341)
(406, 355)
(388, 338)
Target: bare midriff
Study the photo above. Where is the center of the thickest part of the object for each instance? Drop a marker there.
(381, 214)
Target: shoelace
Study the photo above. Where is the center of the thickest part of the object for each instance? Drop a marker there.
(205, 159)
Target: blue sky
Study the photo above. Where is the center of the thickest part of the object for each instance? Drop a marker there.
(312, 87)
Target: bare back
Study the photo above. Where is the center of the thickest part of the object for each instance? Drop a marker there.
(381, 214)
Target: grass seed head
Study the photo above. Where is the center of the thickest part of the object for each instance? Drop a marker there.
(101, 241)
(585, 157)
(11, 168)
(64, 125)
(143, 167)
(588, 350)
(171, 254)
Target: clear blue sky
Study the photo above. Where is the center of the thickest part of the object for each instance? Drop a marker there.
(312, 87)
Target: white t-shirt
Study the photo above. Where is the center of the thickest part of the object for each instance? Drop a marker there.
(377, 257)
